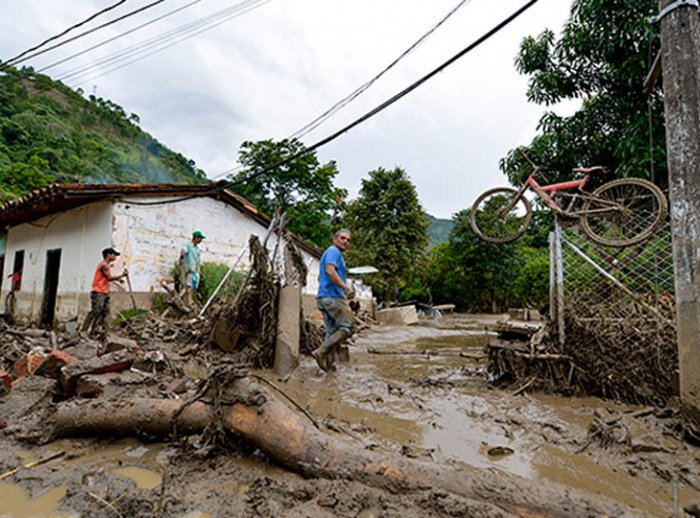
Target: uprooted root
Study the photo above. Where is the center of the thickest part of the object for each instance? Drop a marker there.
(253, 314)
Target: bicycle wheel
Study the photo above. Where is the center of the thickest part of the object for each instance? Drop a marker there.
(500, 216)
(623, 212)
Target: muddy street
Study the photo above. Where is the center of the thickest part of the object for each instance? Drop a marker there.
(421, 392)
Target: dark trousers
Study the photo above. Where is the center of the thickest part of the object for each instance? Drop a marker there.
(99, 312)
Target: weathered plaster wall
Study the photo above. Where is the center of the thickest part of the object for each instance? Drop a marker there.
(80, 234)
(150, 238)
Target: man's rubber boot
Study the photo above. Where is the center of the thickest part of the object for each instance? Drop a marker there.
(320, 357)
(324, 355)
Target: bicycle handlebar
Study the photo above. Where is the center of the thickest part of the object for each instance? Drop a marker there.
(527, 158)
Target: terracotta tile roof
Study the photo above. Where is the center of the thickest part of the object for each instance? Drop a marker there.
(61, 197)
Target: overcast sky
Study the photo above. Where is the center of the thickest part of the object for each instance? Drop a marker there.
(270, 70)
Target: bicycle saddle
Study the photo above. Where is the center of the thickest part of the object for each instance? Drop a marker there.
(588, 170)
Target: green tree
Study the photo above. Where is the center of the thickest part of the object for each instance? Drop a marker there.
(489, 271)
(302, 184)
(20, 178)
(601, 58)
(389, 228)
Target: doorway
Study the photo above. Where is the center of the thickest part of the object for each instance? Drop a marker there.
(53, 265)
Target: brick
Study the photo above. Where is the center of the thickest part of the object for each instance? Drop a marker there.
(25, 410)
(28, 365)
(111, 362)
(6, 379)
(21, 368)
(89, 387)
(52, 364)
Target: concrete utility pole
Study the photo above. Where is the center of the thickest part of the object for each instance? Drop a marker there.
(680, 55)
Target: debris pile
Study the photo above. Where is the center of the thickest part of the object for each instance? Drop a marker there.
(624, 351)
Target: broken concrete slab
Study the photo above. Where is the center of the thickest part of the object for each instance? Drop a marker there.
(111, 384)
(401, 316)
(525, 314)
(26, 408)
(178, 386)
(110, 362)
(117, 343)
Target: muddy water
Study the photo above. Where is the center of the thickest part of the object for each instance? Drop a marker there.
(15, 502)
(438, 405)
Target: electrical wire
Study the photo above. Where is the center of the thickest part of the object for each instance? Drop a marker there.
(107, 24)
(256, 4)
(226, 185)
(304, 130)
(69, 29)
(357, 92)
(196, 26)
(110, 40)
(132, 49)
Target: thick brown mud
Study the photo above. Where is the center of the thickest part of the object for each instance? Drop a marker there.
(422, 391)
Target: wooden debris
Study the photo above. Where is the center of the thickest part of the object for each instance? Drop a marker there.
(261, 419)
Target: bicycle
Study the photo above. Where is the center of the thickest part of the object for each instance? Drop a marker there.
(619, 213)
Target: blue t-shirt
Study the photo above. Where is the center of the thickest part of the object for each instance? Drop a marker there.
(326, 288)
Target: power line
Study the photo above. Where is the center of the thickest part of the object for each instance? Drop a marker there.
(132, 13)
(105, 42)
(225, 185)
(304, 130)
(193, 28)
(357, 92)
(72, 27)
(133, 49)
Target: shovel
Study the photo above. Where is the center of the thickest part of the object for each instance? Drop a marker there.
(131, 292)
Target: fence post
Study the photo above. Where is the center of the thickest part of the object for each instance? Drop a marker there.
(680, 58)
(559, 275)
(552, 279)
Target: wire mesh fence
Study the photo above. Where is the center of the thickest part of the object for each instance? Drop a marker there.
(612, 329)
(616, 316)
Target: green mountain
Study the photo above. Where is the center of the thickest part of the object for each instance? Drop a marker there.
(439, 230)
(51, 133)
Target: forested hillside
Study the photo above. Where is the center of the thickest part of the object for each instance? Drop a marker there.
(439, 230)
(50, 133)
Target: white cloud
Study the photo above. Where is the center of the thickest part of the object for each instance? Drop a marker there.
(272, 70)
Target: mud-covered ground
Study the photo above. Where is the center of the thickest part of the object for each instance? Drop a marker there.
(421, 391)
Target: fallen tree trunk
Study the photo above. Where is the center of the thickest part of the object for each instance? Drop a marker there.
(264, 421)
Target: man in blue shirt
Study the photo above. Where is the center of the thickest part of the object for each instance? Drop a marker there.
(332, 300)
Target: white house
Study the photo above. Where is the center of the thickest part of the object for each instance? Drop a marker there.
(56, 234)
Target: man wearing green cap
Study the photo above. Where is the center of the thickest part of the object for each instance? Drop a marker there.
(189, 265)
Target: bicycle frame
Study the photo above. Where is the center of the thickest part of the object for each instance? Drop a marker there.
(543, 191)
